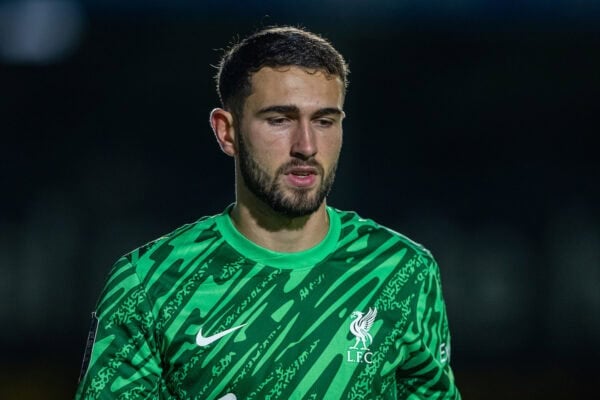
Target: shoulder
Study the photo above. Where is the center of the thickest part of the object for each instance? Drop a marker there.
(171, 245)
(139, 274)
(355, 227)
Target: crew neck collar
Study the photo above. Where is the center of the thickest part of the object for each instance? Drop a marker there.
(262, 255)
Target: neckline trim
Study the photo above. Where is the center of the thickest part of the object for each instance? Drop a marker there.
(262, 255)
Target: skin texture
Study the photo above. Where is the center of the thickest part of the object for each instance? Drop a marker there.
(286, 148)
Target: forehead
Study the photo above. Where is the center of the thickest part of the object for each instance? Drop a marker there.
(302, 87)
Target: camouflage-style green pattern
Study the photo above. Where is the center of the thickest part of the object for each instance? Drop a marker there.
(292, 315)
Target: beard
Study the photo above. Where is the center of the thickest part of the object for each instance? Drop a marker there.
(293, 202)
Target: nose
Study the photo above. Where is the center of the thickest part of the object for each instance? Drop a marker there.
(304, 145)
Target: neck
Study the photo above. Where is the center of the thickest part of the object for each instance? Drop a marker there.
(269, 229)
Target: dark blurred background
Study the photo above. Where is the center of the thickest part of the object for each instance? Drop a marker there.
(470, 129)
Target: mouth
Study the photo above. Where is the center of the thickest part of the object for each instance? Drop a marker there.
(301, 176)
(301, 171)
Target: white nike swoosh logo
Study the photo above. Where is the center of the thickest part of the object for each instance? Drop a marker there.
(205, 341)
(229, 396)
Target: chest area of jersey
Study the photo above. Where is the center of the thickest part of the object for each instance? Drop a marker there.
(272, 330)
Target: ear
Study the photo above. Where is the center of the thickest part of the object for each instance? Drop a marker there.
(221, 122)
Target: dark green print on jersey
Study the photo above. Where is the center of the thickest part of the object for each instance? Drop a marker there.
(203, 313)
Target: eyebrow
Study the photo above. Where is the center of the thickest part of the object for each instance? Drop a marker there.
(281, 109)
(328, 111)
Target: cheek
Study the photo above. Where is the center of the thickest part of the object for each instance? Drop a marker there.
(267, 153)
(264, 137)
(331, 147)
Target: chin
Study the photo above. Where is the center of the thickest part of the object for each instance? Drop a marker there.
(297, 209)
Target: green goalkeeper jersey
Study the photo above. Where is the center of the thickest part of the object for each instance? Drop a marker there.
(204, 313)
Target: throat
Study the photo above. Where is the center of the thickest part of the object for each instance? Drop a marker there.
(275, 232)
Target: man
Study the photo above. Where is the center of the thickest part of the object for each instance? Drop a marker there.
(280, 296)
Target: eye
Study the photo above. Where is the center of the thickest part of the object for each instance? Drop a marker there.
(277, 121)
(324, 122)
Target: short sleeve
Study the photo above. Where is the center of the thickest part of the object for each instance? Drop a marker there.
(123, 356)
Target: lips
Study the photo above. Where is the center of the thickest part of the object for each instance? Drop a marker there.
(301, 176)
(301, 171)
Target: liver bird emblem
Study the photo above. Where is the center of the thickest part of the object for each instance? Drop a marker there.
(360, 327)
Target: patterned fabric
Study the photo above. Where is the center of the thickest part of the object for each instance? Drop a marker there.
(204, 313)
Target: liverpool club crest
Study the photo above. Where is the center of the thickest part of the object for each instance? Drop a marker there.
(360, 327)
